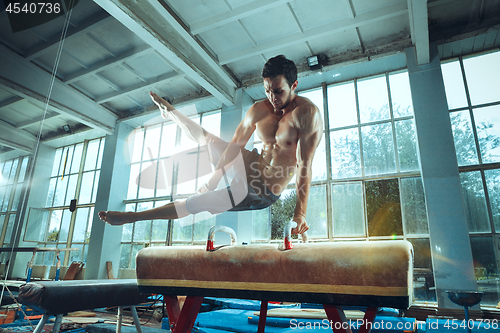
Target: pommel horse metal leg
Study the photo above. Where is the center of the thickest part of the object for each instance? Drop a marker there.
(339, 321)
(119, 318)
(182, 320)
(137, 323)
(262, 317)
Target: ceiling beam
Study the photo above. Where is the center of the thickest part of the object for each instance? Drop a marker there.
(236, 14)
(39, 101)
(12, 137)
(321, 31)
(33, 121)
(140, 117)
(31, 97)
(156, 25)
(107, 63)
(10, 101)
(22, 78)
(419, 28)
(139, 86)
(92, 23)
(476, 13)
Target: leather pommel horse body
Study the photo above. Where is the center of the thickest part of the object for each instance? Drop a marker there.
(372, 274)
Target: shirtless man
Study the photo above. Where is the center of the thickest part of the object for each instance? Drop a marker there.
(290, 128)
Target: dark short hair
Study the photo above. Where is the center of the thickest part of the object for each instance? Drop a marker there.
(280, 65)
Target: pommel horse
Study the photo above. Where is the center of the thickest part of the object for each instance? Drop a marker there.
(372, 274)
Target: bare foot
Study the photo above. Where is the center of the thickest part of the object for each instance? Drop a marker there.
(117, 218)
(162, 104)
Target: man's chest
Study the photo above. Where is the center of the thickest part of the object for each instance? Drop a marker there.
(275, 130)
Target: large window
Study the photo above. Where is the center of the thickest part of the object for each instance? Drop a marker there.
(366, 177)
(376, 190)
(162, 171)
(473, 96)
(12, 180)
(75, 176)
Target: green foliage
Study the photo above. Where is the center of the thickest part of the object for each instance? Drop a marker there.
(53, 236)
(383, 208)
(281, 213)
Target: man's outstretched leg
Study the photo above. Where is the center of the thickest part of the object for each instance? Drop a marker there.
(194, 131)
(172, 210)
(215, 145)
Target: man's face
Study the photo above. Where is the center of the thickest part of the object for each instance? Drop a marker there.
(278, 92)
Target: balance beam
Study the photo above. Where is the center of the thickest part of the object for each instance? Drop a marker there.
(60, 297)
(372, 274)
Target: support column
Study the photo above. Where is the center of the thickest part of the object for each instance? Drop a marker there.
(449, 236)
(105, 240)
(240, 222)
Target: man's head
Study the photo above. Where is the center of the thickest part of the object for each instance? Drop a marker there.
(280, 81)
(280, 65)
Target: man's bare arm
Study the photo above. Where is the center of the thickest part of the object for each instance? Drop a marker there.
(310, 128)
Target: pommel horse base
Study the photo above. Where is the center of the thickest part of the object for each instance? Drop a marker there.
(60, 297)
(372, 274)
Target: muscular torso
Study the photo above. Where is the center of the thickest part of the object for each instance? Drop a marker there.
(279, 135)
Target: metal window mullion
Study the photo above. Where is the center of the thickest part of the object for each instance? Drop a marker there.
(130, 257)
(141, 162)
(98, 152)
(55, 190)
(393, 123)
(57, 179)
(77, 197)
(60, 163)
(471, 114)
(173, 189)
(477, 167)
(14, 186)
(84, 238)
(11, 202)
(175, 169)
(403, 215)
(4, 228)
(158, 159)
(363, 186)
(134, 201)
(488, 204)
(361, 157)
(327, 133)
(377, 122)
(329, 203)
(129, 264)
(156, 186)
(196, 185)
(69, 176)
(95, 168)
(485, 105)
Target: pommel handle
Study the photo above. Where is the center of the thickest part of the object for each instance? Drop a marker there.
(221, 228)
(287, 242)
